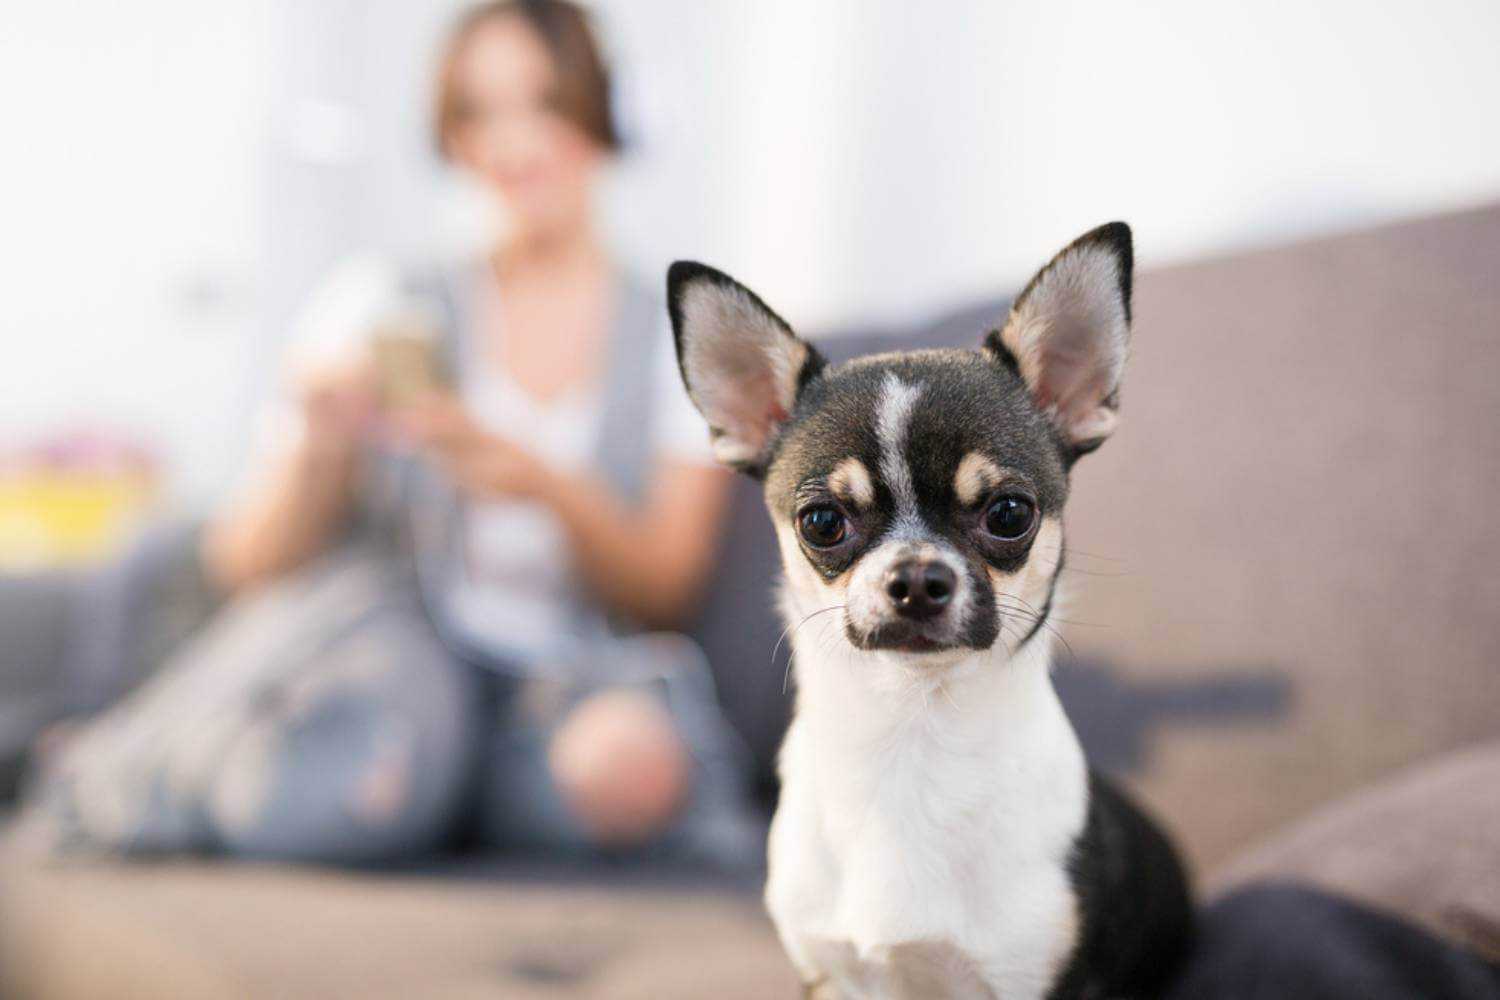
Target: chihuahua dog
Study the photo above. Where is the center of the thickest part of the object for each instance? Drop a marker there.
(939, 833)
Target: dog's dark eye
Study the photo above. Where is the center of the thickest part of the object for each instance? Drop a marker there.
(823, 527)
(1009, 517)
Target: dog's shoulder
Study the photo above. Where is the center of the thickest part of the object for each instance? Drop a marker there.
(1134, 903)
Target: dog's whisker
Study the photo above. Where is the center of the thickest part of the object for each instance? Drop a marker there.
(1038, 620)
(1059, 637)
(1015, 637)
(1050, 616)
(1065, 556)
(790, 630)
(1069, 551)
(826, 643)
(948, 695)
(1019, 600)
(1091, 572)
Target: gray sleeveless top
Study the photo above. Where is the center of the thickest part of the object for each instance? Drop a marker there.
(433, 511)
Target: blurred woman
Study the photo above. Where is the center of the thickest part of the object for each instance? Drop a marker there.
(431, 595)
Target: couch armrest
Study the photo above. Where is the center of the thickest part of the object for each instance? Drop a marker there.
(133, 613)
(76, 641)
(35, 610)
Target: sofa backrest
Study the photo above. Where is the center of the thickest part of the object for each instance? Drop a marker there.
(1304, 481)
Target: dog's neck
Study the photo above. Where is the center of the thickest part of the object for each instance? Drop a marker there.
(969, 727)
(967, 695)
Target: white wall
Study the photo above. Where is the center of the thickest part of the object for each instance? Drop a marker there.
(131, 230)
(886, 157)
(853, 160)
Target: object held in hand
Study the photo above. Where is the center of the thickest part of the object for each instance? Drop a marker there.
(407, 366)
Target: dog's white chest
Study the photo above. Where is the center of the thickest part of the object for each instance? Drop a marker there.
(925, 870)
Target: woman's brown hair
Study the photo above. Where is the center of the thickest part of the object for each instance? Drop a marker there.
(582, 95)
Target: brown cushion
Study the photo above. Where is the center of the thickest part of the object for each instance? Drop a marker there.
(1424, 844)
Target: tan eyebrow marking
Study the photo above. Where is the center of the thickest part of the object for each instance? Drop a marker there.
(850, 480)
(976, 475)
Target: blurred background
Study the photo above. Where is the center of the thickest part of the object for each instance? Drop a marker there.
(1283, 585)
(181, 175)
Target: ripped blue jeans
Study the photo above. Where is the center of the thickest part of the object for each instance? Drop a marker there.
(324, 720)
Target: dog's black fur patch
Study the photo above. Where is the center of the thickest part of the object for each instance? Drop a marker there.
(1137, 913)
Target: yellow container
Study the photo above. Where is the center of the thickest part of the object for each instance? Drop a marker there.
(62, 519)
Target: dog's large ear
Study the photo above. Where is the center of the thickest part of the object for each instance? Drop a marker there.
(742, 364)
(1069, 332)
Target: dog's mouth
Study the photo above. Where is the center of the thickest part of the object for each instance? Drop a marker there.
(901, 637)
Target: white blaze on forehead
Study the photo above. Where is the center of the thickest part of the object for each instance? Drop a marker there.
(892, 423)
(850, 480)
(977, 474)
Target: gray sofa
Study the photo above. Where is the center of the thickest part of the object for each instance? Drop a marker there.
(1282, 592)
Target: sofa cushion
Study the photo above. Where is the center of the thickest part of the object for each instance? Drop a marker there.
(1424, 843)
(204, 932)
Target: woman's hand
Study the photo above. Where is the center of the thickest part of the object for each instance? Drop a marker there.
(483, 464)
(295, 504)
(338, 399)
(646, 560)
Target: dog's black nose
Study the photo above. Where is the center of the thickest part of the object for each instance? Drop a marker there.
(920, 588)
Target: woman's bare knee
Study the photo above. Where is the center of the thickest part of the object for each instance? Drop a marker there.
(621, 766)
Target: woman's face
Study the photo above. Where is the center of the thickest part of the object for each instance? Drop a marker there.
(510, 133)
